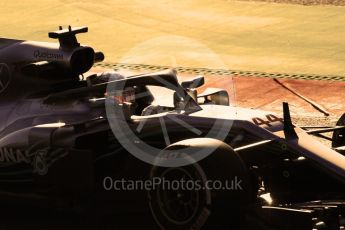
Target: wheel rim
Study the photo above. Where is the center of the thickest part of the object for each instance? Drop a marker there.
(180, 205)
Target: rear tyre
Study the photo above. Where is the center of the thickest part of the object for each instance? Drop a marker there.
(214, 192)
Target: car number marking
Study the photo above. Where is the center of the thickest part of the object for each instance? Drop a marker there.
(270, 119)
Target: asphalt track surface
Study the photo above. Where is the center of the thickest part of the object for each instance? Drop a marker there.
(308, 95)
(220, 72)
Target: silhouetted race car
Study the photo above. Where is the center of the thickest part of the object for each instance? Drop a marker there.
(106, 143)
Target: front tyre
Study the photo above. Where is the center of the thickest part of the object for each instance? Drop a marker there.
(338, 138)
(208, 194)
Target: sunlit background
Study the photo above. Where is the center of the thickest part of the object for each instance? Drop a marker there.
(246, 35)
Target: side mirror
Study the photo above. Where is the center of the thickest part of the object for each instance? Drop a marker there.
(194, 82)
(215, 96)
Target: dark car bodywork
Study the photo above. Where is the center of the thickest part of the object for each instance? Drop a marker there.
(56, 145)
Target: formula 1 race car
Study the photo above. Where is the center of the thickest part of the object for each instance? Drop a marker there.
(70, 139)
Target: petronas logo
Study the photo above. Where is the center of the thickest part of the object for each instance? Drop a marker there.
(5, 76)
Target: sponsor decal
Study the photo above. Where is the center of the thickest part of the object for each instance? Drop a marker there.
(40, 163)
(5, 76)
(47, 55)
(38, 159)
(14, 155)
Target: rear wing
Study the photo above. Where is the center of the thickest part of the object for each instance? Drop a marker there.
(67, 37)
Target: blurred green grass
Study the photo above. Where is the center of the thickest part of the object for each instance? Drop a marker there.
(253, 36)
